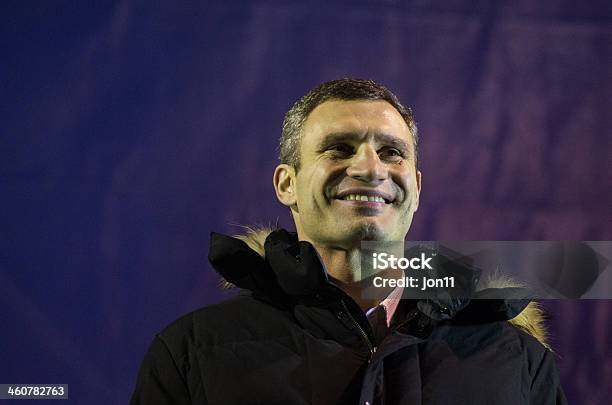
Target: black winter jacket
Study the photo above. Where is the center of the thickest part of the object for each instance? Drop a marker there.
(292, 337)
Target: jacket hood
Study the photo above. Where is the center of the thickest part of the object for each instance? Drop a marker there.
(277, 267)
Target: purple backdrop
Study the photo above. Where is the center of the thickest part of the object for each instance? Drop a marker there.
(130, 131)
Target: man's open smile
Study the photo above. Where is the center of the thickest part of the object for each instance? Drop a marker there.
(368, 201)
(365, 195)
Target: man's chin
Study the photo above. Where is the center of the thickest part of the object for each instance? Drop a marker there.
(367, 231)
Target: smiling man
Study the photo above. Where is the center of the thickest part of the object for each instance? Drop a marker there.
(300, 330)
(356, 178)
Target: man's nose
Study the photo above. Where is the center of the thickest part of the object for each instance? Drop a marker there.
(367, 166)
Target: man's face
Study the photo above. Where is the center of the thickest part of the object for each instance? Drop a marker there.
(357, 179)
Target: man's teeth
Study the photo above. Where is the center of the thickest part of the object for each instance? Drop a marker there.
(358, 197)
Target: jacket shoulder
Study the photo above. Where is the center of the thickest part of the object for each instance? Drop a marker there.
(170, 369)
(239, 318)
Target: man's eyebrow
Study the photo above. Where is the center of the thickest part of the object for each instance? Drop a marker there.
(380, 138)
(334, 138)
(394, 141)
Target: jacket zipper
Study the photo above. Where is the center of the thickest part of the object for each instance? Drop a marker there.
(363, 334)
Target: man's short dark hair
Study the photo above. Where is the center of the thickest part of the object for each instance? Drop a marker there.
(342, 89)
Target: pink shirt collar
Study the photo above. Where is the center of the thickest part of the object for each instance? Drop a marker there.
(390, 303)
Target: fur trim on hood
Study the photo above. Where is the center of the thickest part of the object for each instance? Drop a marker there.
(530, 320)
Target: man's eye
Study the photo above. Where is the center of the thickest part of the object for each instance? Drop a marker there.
(341, 150)
(391, 153)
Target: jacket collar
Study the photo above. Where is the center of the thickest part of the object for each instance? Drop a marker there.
(274, 264)
(281, 262)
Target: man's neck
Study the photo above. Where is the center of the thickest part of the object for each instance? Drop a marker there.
(341, 264)
(344, 268)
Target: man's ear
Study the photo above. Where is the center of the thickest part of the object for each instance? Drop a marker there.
(418, 186)
(284, 184)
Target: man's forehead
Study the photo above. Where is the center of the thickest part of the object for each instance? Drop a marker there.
(356, 118)
(337, 109)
